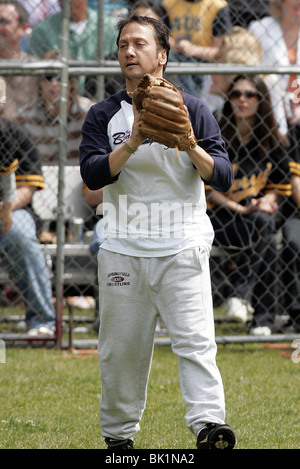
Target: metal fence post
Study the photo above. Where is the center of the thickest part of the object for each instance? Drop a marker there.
(59, 284)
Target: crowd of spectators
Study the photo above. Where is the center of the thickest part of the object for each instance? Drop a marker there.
(263, 146)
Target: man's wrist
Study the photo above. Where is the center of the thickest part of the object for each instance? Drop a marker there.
(129, 147)
(6, 206)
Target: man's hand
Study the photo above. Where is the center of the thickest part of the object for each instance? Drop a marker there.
(5, 217)
(265, 204)
(136, 138)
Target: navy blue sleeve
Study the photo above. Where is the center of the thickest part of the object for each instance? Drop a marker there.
(207, 131)
(95, 149)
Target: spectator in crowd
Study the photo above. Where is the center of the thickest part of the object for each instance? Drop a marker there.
(8, 166)
(244, 11)
(7, 193)
(95, 199)
(290, 254)
(42, 120)
(197, 30)
(280, 41)
(22, 90)
(22, 254)
(150, 8)
(7, 196)
(38, 10)
(279, 34)
(244, 218)
(113, 8)
(43, 123)
(83, 44)
(238, 47)
(241, 47)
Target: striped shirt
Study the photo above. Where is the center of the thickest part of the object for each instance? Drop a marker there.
(45, 130)
(24, 155)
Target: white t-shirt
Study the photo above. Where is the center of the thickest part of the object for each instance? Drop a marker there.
(156, 206)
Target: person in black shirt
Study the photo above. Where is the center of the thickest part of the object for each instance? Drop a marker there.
(290, 216)
(244, 217)
(20, 247)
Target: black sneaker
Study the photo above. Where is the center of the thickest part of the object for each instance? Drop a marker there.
(118, 444)
(215, 436)
(290, 326)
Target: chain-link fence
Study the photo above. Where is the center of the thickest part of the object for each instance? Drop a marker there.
(56, 68)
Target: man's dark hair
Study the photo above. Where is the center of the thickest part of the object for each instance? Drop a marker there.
(22, 12)
(160, 30)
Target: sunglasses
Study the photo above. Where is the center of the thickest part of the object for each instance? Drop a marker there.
(237, 94)
(4, 21)
(51, 77)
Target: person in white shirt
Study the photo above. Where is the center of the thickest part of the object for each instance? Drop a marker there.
(279, 36)
(155, 255)
(38, 10)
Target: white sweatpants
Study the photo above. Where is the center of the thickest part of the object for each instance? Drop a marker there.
(133, 291)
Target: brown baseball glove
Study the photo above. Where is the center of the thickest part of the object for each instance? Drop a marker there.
(164, 117)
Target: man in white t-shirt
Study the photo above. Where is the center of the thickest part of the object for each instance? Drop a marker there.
(155, 255)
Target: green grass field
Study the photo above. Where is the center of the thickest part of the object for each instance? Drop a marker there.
(49, 400)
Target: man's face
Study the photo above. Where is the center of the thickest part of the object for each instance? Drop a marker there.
(292, 9)
(138, 53)
(50, 89)
(10, 30)
(220, 85)
(78, 9)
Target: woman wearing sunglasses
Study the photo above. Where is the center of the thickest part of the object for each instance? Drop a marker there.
(244, 218)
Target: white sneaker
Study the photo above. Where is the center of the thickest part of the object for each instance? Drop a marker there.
(46, 330)
(41, 330)
(33, 332)
(260, 331)
(236, 308)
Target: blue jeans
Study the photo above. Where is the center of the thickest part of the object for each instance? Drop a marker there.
(191, 84)
(26, 265)
(98, 237)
